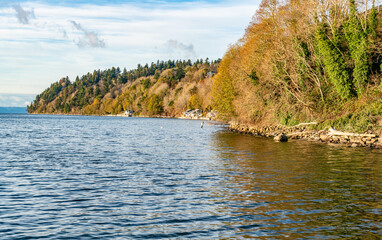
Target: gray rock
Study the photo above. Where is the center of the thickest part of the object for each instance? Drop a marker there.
(281, 138)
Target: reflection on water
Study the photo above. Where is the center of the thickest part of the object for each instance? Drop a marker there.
(301, 189)
(71, 177)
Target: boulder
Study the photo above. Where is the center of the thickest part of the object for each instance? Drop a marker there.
(324, 137)
(281, 138)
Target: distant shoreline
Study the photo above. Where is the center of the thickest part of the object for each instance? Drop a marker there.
(139, 116)
(372, 140)
(14, 110)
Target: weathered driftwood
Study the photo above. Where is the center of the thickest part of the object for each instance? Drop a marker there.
(334, 132)
(305, 124)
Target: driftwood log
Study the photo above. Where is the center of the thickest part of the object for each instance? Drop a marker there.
(305, 124)
(333, 132)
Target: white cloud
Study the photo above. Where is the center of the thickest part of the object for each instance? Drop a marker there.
(89, 39)
(180, 48)
(36, 54)
(22, 14)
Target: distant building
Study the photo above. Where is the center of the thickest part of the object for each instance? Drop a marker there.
(129, 113)
(190, 113)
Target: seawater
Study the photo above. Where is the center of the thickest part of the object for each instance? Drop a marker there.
(83, 177)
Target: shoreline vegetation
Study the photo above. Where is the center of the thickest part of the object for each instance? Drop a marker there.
(298, 62)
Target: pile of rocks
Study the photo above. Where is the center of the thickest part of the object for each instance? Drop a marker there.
(283, 133)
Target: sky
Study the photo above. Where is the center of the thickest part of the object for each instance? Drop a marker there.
(43, 41)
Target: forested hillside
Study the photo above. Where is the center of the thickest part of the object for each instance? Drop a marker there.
(298, 61)
(303, 61)
(162, 88)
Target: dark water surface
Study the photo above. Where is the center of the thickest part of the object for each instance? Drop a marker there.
(68, 177)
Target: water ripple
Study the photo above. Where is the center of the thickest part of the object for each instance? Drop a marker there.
(67, 177)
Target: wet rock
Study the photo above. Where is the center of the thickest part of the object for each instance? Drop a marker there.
(281, 138)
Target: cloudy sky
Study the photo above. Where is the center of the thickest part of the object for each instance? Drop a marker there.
(42, 41)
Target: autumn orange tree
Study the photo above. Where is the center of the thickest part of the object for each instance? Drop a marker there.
(299, 60)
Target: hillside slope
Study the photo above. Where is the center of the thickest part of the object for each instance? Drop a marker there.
(302, 61)
(160, 89)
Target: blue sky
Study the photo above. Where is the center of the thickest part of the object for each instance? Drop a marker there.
(42, 41)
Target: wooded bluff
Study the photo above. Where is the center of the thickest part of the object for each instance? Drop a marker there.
(298, 61)
(159, 89)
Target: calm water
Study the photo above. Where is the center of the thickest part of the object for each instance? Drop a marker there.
(68, 177)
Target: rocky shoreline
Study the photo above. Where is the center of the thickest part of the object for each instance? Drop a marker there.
(303, 132)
